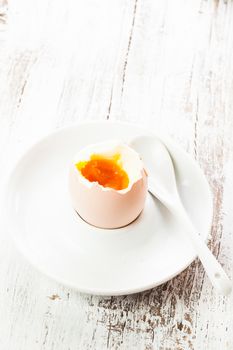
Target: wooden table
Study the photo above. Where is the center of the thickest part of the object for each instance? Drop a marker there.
(154, 62)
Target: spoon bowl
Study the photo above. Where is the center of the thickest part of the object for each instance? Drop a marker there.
(159, 164)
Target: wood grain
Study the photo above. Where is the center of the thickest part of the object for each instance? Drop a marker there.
(166, 63)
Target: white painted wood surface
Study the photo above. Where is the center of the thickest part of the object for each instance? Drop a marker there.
(163, 62)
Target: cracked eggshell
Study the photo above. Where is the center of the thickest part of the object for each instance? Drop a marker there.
(106, 207)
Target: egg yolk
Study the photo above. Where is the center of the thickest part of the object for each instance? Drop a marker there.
(106, 171)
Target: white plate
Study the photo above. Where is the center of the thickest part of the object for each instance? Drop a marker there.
(54, 239)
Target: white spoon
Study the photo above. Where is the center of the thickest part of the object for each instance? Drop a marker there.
(162, 185)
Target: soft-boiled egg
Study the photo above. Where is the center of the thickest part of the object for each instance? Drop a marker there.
(108, 184)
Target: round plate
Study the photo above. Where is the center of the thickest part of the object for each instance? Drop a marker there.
(54, 238)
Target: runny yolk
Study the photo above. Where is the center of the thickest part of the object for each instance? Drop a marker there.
(106, 171)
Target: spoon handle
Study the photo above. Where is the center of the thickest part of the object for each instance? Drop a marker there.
(214, 270)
